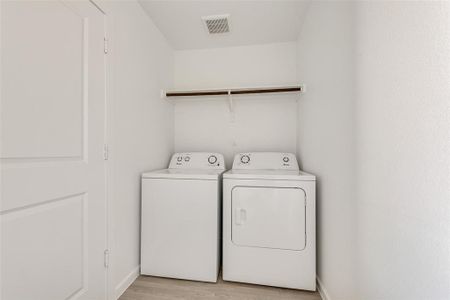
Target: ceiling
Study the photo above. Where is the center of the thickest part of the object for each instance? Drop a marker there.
(251, 22)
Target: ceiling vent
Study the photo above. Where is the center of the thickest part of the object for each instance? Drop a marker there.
(217, 24)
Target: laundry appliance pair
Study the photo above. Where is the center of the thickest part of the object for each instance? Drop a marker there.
(265, 225)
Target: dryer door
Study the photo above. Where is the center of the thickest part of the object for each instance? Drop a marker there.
(269, 217)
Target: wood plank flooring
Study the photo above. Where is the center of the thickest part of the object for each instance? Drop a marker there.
(156, 288)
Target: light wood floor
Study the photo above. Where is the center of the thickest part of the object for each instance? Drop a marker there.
(156, 288)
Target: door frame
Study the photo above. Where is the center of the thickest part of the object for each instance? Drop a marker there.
(107, 139)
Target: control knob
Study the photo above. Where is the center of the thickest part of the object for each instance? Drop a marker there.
(212, 159)
(245, 159)
(286, 159)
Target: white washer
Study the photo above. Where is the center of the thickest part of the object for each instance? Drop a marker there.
(181, 209)
(269, 234)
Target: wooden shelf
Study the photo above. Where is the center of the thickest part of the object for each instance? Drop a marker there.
(234, 92)
(229, 92)
(196, 93)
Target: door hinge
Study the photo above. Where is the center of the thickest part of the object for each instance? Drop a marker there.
(106, 258)
(105, 45)
(105, 152)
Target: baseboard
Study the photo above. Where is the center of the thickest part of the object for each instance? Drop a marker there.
(322, 290)
(126, 282)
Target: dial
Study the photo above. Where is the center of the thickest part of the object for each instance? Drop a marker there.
(286, 159)
(187, 158)
(179, 158)
(212, 159)
(245, 159)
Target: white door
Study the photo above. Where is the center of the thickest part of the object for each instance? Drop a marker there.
(269, 217)
(53, 205)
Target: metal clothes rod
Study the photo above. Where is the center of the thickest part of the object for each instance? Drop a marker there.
(289, 89)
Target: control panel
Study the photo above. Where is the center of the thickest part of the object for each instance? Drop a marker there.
(197, 160)
(265, 161)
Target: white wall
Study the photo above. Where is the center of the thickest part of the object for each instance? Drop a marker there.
(403, 151)
(374, 126)
(326, 138)
(260, 123)
(142, 126)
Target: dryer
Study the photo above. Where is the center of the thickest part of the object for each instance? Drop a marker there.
(181, 218)
(269, 222)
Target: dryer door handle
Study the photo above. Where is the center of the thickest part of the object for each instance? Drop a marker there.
(240, 216)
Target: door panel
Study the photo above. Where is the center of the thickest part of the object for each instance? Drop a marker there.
(53, 205)
(41, 77)
(45, 241)
(268, 217)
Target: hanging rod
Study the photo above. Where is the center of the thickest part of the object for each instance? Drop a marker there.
(289, 89)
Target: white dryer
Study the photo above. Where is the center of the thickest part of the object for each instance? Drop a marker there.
(269, 234)
(181, 210)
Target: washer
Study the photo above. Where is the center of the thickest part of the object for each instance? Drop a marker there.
(181, 209)
(269, 222)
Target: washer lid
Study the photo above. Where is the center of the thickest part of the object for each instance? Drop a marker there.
(269, 174)
(212, 174)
